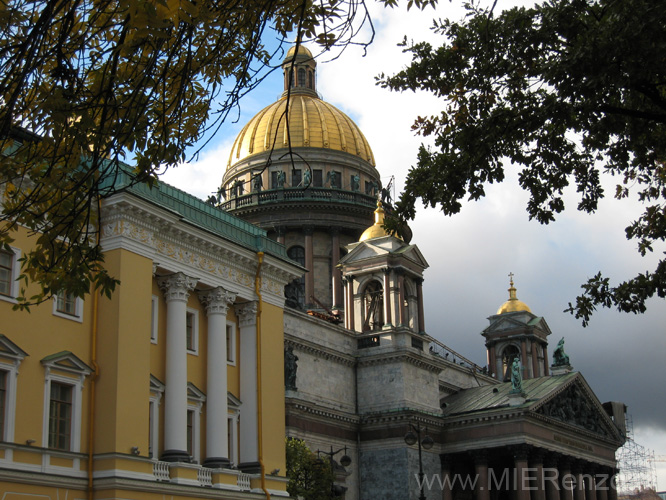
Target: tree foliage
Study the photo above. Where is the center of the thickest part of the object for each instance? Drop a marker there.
(310, 477)
(86, 84)
(570, 90)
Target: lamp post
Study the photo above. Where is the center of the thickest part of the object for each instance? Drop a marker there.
(345, 461)
(426, 443)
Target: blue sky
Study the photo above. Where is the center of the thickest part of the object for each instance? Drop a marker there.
(472, 253)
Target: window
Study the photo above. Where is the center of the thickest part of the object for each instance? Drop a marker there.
(296, 177)
(190, 432)
(3, 403)
(66, 305)
(10, 358)
(233, 405)
(65, 374)
(60, 416)
(294, 292)
(154, 308)
(301, 77)
(310, 80)
(8, 273)
(274, 179)
(156, 392)
(195, 400)
(192, 331)
(231, 343)
(510, 353)
(317, 178)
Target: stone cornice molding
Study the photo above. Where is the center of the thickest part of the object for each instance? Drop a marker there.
(400, 357)
(177, 287)
(247, 313)
(407, 415)
(328, 414)
(319, 351)
(217, 300)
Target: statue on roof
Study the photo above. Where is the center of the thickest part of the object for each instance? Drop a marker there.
(560, 358)
(516, 376)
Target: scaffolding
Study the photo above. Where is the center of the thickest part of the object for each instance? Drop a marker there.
(637, 465)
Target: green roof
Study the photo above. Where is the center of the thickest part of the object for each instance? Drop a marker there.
(496, 396)
(195, 212)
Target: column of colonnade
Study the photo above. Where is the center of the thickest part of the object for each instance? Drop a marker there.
(217, 302)
(536, 474)
(177, 288)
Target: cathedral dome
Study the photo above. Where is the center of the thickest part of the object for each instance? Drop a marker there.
(311, 123)
(513, 304)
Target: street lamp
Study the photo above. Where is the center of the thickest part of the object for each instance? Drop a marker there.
(345, 461)
(426, 443)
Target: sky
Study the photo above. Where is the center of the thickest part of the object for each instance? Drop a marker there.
(471, 253)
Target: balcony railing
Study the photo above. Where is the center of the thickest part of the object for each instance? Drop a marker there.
(281, 195)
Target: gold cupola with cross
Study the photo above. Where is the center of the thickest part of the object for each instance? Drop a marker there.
(515, 331)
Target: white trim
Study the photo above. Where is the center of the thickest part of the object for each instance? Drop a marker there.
(232, 422)
(78, 309)
(154, 316)
(11, 369)
(195, 331)
(231, 346)
(77, 389)
(15, 272)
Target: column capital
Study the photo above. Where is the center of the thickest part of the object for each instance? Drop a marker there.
(520, 451)
(334, 230)
(217, 300)
(538, 455)
(247, 313)
(308, 230)
(177, 286)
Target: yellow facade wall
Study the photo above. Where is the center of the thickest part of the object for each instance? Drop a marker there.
(123, 348)
(272, 387)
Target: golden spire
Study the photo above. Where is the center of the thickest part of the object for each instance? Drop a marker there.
(513, 304)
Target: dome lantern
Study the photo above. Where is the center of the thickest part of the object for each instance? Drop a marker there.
(513, 304)
(299, 69)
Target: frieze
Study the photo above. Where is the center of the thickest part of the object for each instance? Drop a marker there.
(399, 358)
(573, 406)
(161, 235)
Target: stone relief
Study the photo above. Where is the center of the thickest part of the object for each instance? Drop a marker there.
(574, 407)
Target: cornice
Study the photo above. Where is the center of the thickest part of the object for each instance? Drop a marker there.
(318, 351)
(296, 405)
(399, 357)
(158, 234)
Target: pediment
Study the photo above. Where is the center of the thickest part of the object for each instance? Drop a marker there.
(194, 393)
(413, 253)
(363, 251)
(156, 385)
(233, 402)
(68, 362)
(575, 404)
(504, 323)
(9, 349)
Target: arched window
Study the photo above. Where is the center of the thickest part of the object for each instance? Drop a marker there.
(310, 80)
(373, 307)
(294, 292)
(508, 355)
(301, 77)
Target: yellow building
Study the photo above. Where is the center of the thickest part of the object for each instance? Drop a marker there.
(174, 387)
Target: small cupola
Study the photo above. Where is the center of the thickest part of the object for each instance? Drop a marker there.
(299, 69)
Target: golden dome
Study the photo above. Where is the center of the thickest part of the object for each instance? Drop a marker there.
(513, 304)
(376, 230)
(302, 51)
(312, 123)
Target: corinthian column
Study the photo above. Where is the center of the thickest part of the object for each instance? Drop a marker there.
(176, 288)
(249, 443)
(217, 302)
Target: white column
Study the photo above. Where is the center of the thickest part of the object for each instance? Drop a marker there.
(217, 302)
(176, 288)
(249, 443)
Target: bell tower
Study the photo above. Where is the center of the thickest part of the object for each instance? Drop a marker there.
(515, 331)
